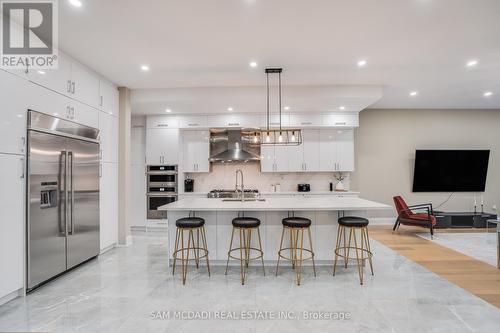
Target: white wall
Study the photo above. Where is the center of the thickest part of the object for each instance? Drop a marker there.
(385, 150)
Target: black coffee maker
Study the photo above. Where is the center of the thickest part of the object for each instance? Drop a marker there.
(188, 185)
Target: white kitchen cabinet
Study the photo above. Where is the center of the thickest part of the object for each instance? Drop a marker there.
(162, 146)
(267, 161)
(108, 126)
(311, 150)
(196, 151)
(84, 85)
(193, 121)
(108, 202)
(108, 98)
(336, 150)
(43, 100)
(58, 80)
(162, 122)
(274, 120)
(13, 113)
(305, 120)
(233, 120)
(340, 120)
(12, 223)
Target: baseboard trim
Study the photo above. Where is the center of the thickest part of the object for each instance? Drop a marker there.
(13, 295)
(107, 248)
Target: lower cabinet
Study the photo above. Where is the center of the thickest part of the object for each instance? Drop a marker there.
(108, 200)
(12, 223)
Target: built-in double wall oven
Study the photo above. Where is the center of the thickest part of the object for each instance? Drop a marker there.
(161, 189)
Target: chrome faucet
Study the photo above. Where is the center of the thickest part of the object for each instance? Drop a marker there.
(242, 186)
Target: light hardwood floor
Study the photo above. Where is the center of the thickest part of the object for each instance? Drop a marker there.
(475, 276)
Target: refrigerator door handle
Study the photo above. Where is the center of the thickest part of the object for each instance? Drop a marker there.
(64, 154)
(72, 193)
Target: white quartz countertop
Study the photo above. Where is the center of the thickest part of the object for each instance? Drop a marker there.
(275, 204)
(282, 193)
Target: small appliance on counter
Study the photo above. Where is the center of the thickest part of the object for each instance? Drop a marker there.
(188, 185)
(304, 187)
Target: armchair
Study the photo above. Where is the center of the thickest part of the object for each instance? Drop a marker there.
(421, 215)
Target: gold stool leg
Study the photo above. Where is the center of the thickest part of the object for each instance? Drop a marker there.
(312, 251)
(337, 247)
(262, 253)
(299, 271)
(175, 249)
(291, 249)
(359, 261)
(197, 255)
(346, 259)
(279, 251)
(367, 240)
(205, 246)
(242, 266)
(247, 249)
(183, 263)
(230, 248)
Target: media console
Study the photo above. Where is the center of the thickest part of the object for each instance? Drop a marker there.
(462, 219)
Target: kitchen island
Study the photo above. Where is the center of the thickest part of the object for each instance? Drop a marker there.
(218, 214)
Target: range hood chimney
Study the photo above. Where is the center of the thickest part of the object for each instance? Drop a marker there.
(233, 146)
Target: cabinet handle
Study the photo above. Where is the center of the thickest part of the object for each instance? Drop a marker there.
(306, 123)
(100, 170)
(23, 143)
(100, 101)
(305, 166)
(162, 125)
(100, 154)
(192, 125)
(275, 124)
(73, 87)
(22, 168)
(68, 88)
(72, 112)
(233, 124)
(340, 123)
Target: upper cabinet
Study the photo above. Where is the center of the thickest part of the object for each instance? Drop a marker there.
(274, 120)
(196, 151)
(13, 113)
(340, 120)
(108, 98)
(232, 120)
(71, 79)
(162, 122)
(193, 121)
(305, 120)
(336, 150)
(162, 146)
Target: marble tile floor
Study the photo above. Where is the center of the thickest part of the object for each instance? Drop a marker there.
(120, 291)
(480, 245)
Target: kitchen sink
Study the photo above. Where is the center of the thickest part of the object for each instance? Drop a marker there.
(246, 199)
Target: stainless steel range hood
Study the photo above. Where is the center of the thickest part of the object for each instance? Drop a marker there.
(234, 146)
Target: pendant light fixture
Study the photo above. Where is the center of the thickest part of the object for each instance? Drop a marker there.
(278, 136)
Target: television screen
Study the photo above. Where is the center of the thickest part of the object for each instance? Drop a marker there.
(450, 170)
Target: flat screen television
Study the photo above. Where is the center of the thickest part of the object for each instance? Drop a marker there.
(450, 170)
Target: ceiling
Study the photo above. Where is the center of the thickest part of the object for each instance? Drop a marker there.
(409, 45)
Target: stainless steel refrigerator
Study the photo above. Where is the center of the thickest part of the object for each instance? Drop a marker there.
(62, 196)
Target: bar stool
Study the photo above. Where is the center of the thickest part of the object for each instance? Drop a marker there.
(296, 226)
(363, 252)
(190, 225)
(245, 226)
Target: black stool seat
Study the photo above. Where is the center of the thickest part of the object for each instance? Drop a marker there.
(296, 222)
(353, 221)
(246, 222)
(190, 222)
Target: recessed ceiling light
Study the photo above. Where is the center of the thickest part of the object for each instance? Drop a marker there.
(488, 94)
(145, 68)
(253, 64)
(41, 72)
(362, 63)
(168, 110)
(230, 109)
(342, 107)
(472, 63)
(413, 93)
(76, 3)
(287, 108)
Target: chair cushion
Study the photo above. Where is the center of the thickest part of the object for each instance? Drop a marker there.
(419, 219)
(246, 222)
(353, 221)
(296, 222)
(190, 222)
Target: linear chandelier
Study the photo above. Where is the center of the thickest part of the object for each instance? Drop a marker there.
(278, 136)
